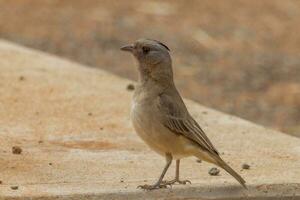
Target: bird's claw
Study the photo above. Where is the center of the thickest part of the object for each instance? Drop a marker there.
(153, 187)
(181, 182)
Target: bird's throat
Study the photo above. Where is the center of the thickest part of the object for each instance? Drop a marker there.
(161, 76)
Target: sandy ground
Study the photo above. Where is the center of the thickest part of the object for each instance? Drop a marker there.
(241, 57)
(65, 138)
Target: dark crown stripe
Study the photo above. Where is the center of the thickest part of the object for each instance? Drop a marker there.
(162, 44)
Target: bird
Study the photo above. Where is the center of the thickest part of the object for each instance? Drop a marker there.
(160, 116)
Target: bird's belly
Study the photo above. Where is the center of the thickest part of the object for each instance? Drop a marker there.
(156, 136)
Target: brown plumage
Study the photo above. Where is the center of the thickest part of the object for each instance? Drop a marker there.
(160, 116)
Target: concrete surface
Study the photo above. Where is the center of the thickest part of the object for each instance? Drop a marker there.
(72, 124)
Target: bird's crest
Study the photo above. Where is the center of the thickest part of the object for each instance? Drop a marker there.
(162, 44)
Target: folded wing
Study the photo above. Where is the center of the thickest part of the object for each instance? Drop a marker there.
(177, 119)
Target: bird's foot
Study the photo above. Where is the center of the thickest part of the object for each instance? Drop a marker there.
(153, 187)
(181, 182)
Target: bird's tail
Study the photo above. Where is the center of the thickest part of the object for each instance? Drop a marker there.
(226, 167)
(217, 160)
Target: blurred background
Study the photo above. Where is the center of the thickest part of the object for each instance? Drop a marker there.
(241, 57)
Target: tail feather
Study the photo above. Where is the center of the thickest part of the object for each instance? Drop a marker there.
(217, 160)
(233, 173)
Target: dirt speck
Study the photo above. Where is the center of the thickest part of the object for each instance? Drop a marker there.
(50, 163)
(214, 171)
(199, 161)
(130, 87)
(245, 166)
(0, 182)
(90, 114)
(15, 187)
(40, 141)
(16, 150)
(204, 112)
(21, 78)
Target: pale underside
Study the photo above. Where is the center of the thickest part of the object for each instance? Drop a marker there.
(170, 131)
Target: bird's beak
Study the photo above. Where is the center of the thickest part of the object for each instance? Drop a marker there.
(127, 48)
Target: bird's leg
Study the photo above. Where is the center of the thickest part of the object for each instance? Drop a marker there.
(177, 180)
(159, 183)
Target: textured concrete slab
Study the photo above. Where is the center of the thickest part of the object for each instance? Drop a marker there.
(72, 124)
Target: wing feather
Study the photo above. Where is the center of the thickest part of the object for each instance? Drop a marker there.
(177, 119)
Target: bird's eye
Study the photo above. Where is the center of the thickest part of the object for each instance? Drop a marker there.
(146, 50)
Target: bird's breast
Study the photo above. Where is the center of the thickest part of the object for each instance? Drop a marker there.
(141, 115)
(147, 124)
(144, 119)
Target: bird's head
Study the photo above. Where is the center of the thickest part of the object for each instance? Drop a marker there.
(153, 58)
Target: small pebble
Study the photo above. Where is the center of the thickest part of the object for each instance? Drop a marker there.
(130, 87)
(14, 187)
(16, 150)
(214, 171)
(245, 166)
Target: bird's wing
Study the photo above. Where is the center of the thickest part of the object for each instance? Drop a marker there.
(177, 119)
